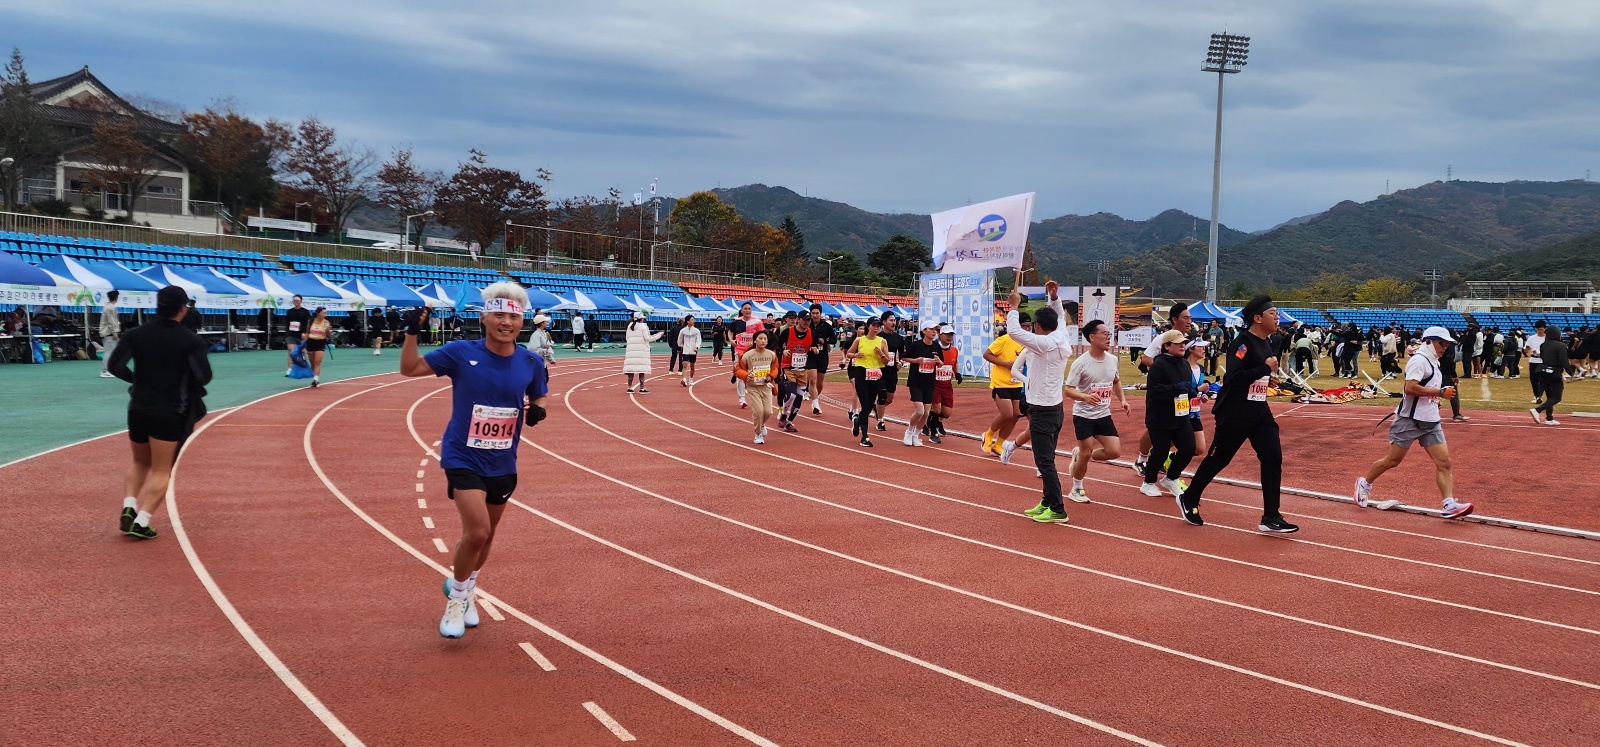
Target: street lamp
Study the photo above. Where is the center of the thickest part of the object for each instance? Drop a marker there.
(1100, 265)
(406, 239)
(653, 246)
(1226, 55)
(830, 269)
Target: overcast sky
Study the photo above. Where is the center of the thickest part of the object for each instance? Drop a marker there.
(891, 105)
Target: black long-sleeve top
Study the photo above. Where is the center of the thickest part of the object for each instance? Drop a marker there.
(1554, 353)
(1169, 377)
(170, 370)
(1247, 364)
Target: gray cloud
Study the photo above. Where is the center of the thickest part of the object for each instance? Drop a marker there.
(894, 105)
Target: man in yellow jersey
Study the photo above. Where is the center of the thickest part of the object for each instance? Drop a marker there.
(1004, 389)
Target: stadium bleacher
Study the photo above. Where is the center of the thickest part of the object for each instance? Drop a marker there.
(35, 249)
(1408, 318)
(1525, 320)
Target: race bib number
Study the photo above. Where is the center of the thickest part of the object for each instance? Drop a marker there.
(294, 326)
(1194, 407)
(492, 428)
(759, 377)
(873, 374)
(1258, 390)
(893, 358)
(944, 373)
(797, 360)
(1180, 405)
(745, 339)
(1103, 391)
(925, 367)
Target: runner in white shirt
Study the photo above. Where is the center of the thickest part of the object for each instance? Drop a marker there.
(1530, 348)
(1093, 384)
(1417, 419)
(1050, 350)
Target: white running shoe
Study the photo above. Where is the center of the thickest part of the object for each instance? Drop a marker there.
(1078, 495)
(1363, 492)
(470, 619)
(905, 438)
(454, 624)
(1007, 448)
(1037, 473)
(107, 375)
(1150, 489)
(760, 438)
(1171, 486)
(816, 409)
(1454, 509)
(1537, 418)
(763, 431)
(1552, 422)
(916, 440)
(377, 352)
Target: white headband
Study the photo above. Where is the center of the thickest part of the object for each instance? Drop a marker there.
(501, 304)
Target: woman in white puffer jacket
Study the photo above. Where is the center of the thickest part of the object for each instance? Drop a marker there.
(636, 358)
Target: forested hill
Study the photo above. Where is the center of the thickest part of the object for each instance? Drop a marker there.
(1573, 259)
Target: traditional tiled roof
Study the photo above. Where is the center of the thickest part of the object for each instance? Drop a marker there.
(71, 115)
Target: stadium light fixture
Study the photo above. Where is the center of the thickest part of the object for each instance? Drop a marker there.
(406, 239)
(1227, 55)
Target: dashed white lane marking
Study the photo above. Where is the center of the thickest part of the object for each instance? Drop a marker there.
(537, 657)
(423, 464)
(483, 604)
(436, 444)
(427, 521)
(610, 723)
(419, 487)
(439, 543)
(421, 473)
(422, 503)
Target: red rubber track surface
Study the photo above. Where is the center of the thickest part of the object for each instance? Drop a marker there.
(807, 591)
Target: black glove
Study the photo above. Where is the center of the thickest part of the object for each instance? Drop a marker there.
(414, 320)
(533, 415)
(958, 377)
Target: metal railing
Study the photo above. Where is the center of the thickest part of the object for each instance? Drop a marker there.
(867, 290)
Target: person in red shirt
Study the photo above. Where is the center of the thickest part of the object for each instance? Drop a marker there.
(944, 393)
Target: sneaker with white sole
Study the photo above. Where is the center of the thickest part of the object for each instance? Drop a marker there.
(1170, 485)
(470, 618)
(1363, 492)
(1454, 509)
(1188, 513)
(1006, 450)
(454, 623)
(1150, 489)
(1138, 466)
(1551, 421)
(1277, 525)
(1537, 418)
(1078, 495)
(107, 375)
(760, 438)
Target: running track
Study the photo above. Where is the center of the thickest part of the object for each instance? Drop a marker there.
(661, 580)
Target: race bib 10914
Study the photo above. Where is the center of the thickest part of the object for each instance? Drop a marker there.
(493, 428)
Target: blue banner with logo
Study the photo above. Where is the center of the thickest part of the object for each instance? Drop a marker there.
(966, 303)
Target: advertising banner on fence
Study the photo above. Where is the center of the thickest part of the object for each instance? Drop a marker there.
(256, 221)
(1099, 302)
(965, 302)
(986, 236)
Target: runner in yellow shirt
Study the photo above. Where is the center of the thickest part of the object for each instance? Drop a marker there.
(1004, 389)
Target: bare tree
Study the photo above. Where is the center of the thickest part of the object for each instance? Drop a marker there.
(339, 174)
(162, 109)
(406, 189)
(124, 161)
(480, 199)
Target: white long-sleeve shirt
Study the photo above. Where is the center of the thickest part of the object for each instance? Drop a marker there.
(1047, 366)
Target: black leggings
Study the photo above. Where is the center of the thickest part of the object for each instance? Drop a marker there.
(789, 396)
(1161, 440)
(867, 394)
(1553, 388)
(1230, 435)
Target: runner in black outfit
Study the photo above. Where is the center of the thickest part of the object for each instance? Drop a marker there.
(891, 372)
(169, 376)
(1243, 414)
(824, 339)
(297, 321)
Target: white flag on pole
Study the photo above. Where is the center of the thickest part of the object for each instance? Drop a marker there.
(985, 236)
(638, 198)
(652, 188)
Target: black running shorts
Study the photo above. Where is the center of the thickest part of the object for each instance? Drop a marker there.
(161, 425)
(1199, 427)
(921, 391)
(498, 489)
(817, 361)
(1086, 428)
(688, 357)
(1010, 392)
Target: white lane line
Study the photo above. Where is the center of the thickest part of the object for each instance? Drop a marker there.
(423, 464)
(608, 721)
(486, 606)
(420, 474)
(310, 700)
(1150, 543)
(439, 543)
(565, 640)
(537, 657)
(427, 522)
(422, 503)
(435, 444)
(1021, 554)
(419, 487)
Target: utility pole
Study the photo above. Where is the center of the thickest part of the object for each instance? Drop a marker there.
(1227, 55)
(1100, 265)
(1434, 276)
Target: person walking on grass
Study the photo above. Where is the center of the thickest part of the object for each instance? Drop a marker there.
(1243, 414)
(1005, 387)
(317, 334)
(757, 369)
(688, 349)
(636, 355)
(1417, 420)
(110, 329)
(1048, 353)
(1094, 384)
(169, 376)
(496, 389)
(1551, 371)
(1169, 391)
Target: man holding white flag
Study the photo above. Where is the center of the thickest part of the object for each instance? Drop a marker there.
(988, 235)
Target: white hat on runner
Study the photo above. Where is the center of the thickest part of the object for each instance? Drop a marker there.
(947, 330)
(1437, 333)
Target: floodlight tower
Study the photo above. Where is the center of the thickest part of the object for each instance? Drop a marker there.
(1226, 56)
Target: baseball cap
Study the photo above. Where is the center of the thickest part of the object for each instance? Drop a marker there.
(1169, 337)
(1437, 333)
(1198, 342)
(540, 319)
(638, 315)
(947, 330)
(930, 322)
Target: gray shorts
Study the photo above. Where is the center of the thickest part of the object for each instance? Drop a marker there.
(1405, 430)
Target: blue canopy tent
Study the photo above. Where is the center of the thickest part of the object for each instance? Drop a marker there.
(544, 300)
(603, 301)
(25, 285)
(466, 294)
(832, 310)
(1205, 311)
(386, 293)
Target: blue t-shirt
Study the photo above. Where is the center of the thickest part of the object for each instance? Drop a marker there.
(486, 404)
